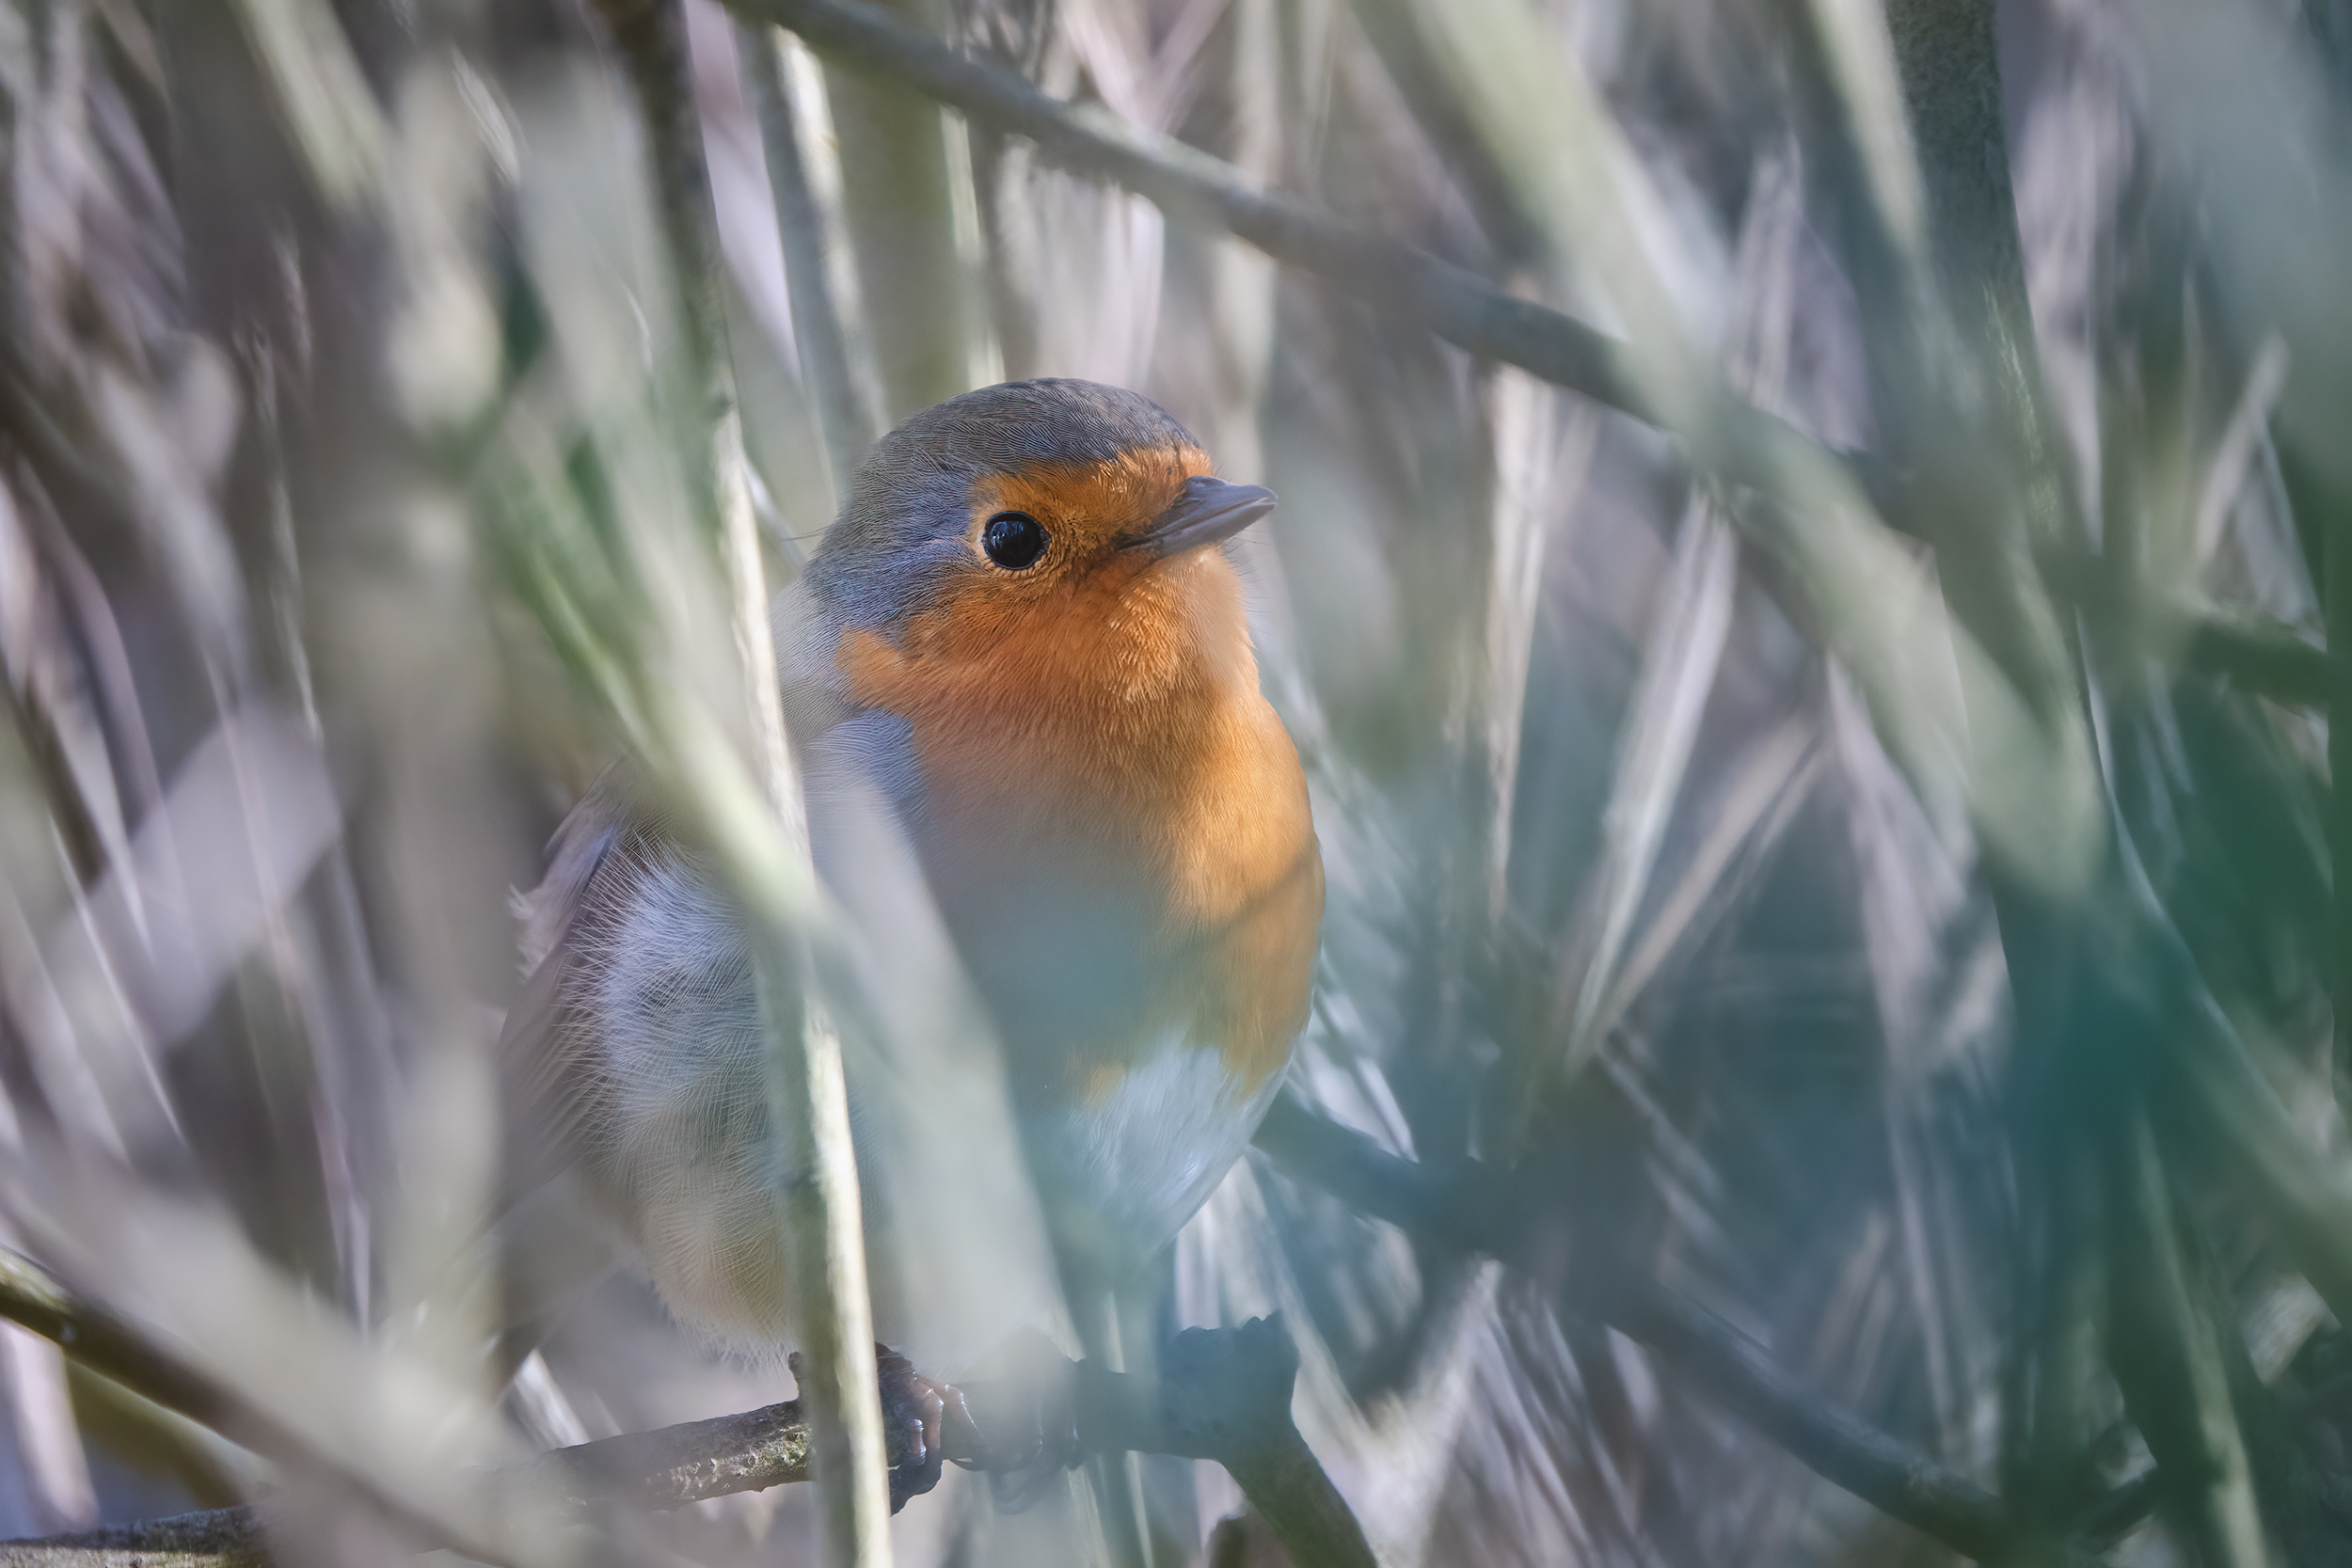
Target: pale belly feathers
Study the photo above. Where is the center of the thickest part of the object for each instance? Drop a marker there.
(680, 1149)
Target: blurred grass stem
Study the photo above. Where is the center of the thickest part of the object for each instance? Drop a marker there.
(787, 94)
(88, 1331)
(914, 220)
(2170, 1369)
(2336, 602)
(323, 96)
(33, 1298)
(816, 1192)
(1474, 1208)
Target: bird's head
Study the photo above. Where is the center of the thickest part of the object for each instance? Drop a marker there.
(1064, 522)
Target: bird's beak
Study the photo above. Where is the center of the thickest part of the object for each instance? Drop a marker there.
(1209, 511)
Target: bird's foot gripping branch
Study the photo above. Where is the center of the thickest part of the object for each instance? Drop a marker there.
(1221, 1394)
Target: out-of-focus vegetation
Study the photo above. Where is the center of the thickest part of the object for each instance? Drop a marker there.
(1828, 816)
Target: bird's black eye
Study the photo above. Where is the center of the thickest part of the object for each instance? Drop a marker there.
(1013, 540)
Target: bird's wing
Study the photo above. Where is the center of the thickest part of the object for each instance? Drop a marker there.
(551, 1242)
(956, 1249)
(549, 1077)
(543, 1094)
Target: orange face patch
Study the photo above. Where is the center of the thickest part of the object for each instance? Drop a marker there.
(1087, 511)
(1088, 508)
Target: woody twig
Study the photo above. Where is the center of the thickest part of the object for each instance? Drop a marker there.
(1223, 1395)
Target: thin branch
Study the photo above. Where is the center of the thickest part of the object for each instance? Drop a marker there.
(1221, 1394)
(1225, 1394)
(221, 1538)
(1840, 1448)
(34, 1299)
(667, 1468)
(672, 1467)
(1474, 1206)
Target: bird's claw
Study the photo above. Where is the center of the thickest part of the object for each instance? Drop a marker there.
(913, 1407)
(1025, 1434)
(915, 1411)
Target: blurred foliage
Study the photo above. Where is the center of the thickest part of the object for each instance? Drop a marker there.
(1878, 884)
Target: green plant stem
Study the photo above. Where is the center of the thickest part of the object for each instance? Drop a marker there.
(2216, 1087)
(2169, 1367)
(804, 181)
(2336, 595)
(652, 35)
(912, 221)
(1474, 1208)
(816, 1194)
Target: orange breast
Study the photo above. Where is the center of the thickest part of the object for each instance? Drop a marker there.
(1113, 819)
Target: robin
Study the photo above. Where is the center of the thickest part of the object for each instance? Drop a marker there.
(1022, 637)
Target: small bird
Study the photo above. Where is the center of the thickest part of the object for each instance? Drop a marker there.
(1021, 635)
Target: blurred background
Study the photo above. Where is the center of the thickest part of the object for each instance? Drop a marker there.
(1832, 815)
